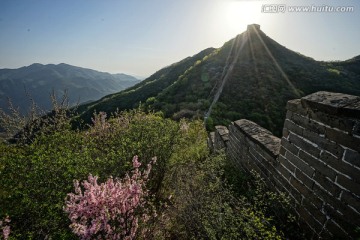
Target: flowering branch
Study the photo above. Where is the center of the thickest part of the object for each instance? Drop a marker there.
(111, 209)
(5, 227)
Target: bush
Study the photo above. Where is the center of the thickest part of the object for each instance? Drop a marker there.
(35, 177)
(192, 192)
(110, 210)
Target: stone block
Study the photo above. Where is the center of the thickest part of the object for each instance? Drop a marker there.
(314, 211)
(318, 165)
(327, 184)
(351, 200)
(300, 164)
(293, 193)
(308, 124)
(333, 103)
(296, 106)
(305, 145)
(315, 200)
(352, 157)
(341, 166)
(292, 127)
(289, 146)
(356, 129)
(321, 193)
(285, 162)
(285, 133)
(333, 121)
(324, 143)
(342, 138)
(284, 172)
(259, 135)
(325, 234)
(336, 231)
(347, 223)
(334, 206)
(348, 184)
(309, 219)
(305, 179)
(300, 187)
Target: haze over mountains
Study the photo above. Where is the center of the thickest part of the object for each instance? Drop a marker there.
(37, 81)
(252, 76)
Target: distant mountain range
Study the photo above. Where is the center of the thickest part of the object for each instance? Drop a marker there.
(37, 82)
(250, 76)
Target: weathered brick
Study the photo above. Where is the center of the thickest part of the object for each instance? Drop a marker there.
(288, 114)
(327, 184)
(290, 147)
(341, 166)
(284, 171)
(352, 109)
(307, 230)
(325, 234)
(348, 184)
(296, 106)
(308, 123)
(335, 205)
(315, 200)
(289, 188)
(336, 230)
(313, 223)
(285, 133)
(351, 200)
(282, 151)
(321, 193)
(356, 129)
(265, 154)
(324, 143)
(314, 211)
(347, 223)
(333, 103)
(318, 165)
(352, 157)
(318, 140)
(292, 127)
(255, 154)
(286, 163)
(303, 144)
(343, 138)
(304, 178)
(303, 166)
(300, 187)
(333, 121)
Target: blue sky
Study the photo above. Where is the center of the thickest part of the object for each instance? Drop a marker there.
(141, 36)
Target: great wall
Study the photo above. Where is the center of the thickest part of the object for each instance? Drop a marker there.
(316, 161)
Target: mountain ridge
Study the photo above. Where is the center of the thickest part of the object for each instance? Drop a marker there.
(37, 81)
(260, 78)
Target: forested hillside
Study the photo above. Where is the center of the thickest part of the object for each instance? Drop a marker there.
(255, 75)
(37, 82)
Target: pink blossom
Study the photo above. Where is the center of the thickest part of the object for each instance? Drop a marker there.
(6, 232)
(5, 228)
(136, 163)
(107, 210)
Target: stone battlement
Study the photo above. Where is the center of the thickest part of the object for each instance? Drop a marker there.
(252, 27)
(316, 162)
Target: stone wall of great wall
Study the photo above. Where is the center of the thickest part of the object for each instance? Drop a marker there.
(316, 162)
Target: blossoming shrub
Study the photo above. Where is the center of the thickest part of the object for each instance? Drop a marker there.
(36, 177)
(108, 210)
(5, 228)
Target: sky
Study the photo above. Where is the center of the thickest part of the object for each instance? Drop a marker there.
(139, 37)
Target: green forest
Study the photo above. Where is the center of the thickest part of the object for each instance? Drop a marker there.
(190, 192)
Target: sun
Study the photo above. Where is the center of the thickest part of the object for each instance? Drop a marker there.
(238, 14)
